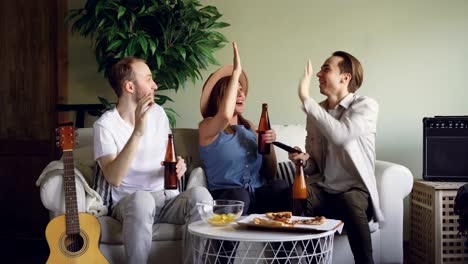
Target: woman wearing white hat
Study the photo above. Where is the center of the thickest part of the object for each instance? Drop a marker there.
(228, 145)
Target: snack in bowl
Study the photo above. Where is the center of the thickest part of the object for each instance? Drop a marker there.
(220, 212)
(221, 219)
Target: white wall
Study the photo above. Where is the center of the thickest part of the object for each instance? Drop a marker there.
(414, 54)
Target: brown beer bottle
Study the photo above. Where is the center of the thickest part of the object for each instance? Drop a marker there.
(299, 190)
(263, 126)
(170, 175)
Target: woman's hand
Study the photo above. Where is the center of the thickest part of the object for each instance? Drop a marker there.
(237, 62)
(294, 157)
(304, 85)
(269, 136)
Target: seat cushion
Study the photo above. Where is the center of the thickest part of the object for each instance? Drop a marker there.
(111, 231)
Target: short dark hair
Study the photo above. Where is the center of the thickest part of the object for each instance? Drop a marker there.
(351, 65)
(120, 72)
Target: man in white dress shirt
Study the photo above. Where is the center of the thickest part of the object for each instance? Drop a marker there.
(340, 150)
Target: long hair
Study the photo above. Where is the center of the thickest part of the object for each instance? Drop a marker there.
(216, 96)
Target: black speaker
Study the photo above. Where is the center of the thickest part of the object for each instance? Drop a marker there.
(445, 148)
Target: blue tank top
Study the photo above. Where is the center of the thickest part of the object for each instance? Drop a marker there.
(231, 160)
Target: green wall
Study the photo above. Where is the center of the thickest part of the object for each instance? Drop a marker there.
(414, 54)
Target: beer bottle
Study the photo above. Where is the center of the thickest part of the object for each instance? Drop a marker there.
(170, 174)
(299, 190)
(263, 126)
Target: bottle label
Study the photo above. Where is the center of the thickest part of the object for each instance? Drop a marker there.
(170, 175)
(263, 148)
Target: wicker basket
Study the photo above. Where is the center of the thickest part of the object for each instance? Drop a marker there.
(434, 226)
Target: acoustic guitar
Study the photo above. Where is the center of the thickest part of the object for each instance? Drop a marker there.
(72, 237)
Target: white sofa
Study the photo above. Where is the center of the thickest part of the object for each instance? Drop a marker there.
(394, 184)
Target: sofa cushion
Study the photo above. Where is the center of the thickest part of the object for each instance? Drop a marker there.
(84, 137)
(286, 171)
(111, 231)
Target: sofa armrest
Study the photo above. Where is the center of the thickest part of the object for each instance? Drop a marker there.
(394, 183)
(53, 196)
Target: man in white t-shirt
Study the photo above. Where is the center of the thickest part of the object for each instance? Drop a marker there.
(341, 143)
(130, 143)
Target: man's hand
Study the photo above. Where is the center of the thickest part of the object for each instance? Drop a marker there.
(143, 107)
(304, 85)
(181, 167)
(294, 157)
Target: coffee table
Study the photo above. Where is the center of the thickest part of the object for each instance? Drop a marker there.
(237, 244)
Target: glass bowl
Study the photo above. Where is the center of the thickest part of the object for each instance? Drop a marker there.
(220, 212)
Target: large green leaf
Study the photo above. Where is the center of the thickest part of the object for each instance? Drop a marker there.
(171, 115)
(143, 44)
(122, 11)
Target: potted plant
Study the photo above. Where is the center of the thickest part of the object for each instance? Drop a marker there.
(177, 38)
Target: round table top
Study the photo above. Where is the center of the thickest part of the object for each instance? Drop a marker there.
(234, 232)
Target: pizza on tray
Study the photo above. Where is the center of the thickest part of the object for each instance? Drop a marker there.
(285, 219)
(280, 216)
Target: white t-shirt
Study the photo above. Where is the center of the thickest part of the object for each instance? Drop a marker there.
(337, 179)
(111, 133)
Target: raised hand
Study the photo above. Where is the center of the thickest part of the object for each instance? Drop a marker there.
(304, 85)
(143, 107)
(237, 61)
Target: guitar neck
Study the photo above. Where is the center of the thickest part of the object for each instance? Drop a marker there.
(71, 205)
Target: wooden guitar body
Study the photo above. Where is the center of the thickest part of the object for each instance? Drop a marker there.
(73, 237)
(82, 248)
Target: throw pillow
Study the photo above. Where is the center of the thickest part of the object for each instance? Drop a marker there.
(102, 187)
(286, 171)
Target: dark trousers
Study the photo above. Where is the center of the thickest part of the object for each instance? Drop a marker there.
(272, 197)
(353, 208)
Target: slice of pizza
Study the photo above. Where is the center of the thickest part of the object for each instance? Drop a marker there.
(268, 222)
(280, 216)
(318, 220)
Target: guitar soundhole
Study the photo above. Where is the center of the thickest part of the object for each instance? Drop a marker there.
(74, 243)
